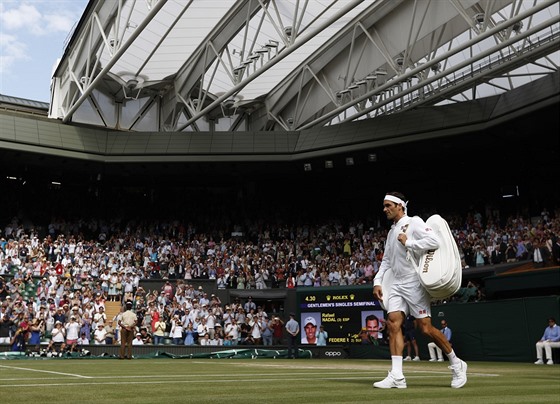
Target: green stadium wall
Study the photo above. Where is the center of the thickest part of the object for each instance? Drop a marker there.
(504, 330)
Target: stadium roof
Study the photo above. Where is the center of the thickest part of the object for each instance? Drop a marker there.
(199, 91)
(292, 65)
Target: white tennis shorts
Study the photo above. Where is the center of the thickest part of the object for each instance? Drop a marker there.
(410, 298)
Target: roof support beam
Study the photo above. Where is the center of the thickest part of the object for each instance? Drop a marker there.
(300, 41)
(442, 57)
(114, 59)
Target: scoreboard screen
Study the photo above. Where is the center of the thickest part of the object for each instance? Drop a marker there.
(348, 314)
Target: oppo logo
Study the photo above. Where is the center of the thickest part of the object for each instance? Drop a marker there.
(333, 353)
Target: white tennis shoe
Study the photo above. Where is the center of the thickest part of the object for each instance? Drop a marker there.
(459, 372)
(391, 382)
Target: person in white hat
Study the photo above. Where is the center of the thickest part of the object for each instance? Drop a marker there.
(99, 334)
(138, 340)
(72, 332)
(58, 336)
(310, 331)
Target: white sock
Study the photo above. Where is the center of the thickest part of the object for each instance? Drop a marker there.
(453, 358)
(397, 366)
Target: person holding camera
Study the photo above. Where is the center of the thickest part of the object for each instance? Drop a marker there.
(266, 330)
(232, 330)
(72, 332)
(20, 338)
(177, 329)
(277, 326)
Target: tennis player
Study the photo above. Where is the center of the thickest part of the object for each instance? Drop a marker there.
(407, 240)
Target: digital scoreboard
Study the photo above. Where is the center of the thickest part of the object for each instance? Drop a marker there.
(345, 312)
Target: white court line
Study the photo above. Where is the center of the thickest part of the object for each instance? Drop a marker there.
(317, 372)
(273, 378)
(364, 368)
(195, 376)
(205, 381)
(46, 371)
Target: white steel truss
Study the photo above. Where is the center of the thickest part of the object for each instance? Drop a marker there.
(268, 65)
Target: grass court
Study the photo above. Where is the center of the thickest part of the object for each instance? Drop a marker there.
(267, 381)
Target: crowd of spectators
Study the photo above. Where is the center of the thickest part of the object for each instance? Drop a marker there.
(54, 282)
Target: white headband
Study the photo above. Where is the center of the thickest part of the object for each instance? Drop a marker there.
(397, 200)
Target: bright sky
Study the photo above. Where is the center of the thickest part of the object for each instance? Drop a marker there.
(33, 34)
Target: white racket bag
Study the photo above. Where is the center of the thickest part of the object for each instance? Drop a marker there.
(440, 270)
